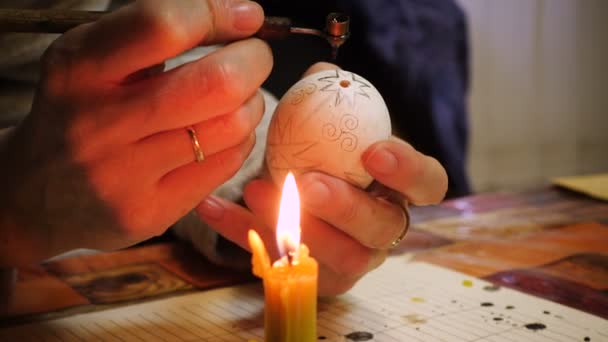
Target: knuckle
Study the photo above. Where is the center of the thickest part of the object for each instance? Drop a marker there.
(58, 63)
(357, 263)
(349, 212)
(237, 125)
(263, 56)
(256, 108)
(214, 10)
(229, 161)
(416, 168)
(164, 20)
(227, 80)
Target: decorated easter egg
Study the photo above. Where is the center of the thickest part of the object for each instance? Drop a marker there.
(324, 123)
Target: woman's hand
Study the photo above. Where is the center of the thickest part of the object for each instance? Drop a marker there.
(348, 230)
(104, 159)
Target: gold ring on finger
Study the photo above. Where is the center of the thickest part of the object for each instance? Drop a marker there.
(199, 156)
(406, 225)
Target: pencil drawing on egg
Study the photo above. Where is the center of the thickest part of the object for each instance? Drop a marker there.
(325, 122)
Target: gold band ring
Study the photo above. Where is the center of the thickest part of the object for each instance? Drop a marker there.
(196, 147)
(384, 193)
(406, 227)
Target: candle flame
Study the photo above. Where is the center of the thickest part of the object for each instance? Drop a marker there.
(288, 226)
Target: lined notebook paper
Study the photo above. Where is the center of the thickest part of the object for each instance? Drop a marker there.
(401, 301)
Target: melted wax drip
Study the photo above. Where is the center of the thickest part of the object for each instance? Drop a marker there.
(535, 326)
(491, 288)
(360, 336)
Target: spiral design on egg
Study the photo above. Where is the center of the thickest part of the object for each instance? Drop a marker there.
(299, 94)
(348, 140)
(349, 122)
(330, 132)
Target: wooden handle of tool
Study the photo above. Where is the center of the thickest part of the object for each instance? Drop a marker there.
(274, 28)
(44, 21)
(60, 21)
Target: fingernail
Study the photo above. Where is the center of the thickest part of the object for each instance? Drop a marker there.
(211, 208)
(246, 15)
(381, 160)
(313, 191)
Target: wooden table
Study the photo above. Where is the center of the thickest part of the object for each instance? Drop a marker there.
(550, 243)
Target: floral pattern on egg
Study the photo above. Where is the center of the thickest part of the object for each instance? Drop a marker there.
(324, 123)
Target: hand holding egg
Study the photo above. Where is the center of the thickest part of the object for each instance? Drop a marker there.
(323, 124)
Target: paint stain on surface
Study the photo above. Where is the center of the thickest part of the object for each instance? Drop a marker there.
(413, 319)
(535, 326)
(418, 299)
(491, 288)
(487, 304)
(467, 283)
(360, 336)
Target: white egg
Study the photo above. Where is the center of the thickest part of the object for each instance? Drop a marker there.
(324, 123)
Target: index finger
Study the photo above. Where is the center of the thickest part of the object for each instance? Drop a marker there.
(148, 32)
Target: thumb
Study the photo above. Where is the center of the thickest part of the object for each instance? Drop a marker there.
(148, 32)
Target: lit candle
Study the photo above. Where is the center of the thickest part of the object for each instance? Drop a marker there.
(290, 284)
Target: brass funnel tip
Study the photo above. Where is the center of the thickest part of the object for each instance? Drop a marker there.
(337, 30)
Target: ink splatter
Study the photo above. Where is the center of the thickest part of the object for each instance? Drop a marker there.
(467, 283)
(535, 326)
(509, 307)
(491, 288)
(413, 319)
(418, 300)
(487, 304)
(360, 336)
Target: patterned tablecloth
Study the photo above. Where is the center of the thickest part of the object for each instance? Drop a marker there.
(549, 243)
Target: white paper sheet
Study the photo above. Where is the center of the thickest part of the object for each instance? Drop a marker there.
(401, 301)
